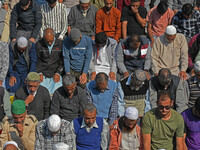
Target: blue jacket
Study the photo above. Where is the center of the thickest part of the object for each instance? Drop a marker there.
(77, 57)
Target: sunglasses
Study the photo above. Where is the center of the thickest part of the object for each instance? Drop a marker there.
(166, 107)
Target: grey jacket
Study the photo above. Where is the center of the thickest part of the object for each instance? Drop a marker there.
(110, 49)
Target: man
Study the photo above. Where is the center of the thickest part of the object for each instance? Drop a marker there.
(134, 90)
(158, 18)
(192, 86)
(51, 131)
(99, 3)
(25, 20)
(108, 20)
(35, 96)
(77, 54)
(123, 127)
(193, 53)
(191, 117)
(133, 19)
(54, 15)
(177, 4)
(103, 59)
(10, 145)
(4, 63)
(133, 53)
(103, 93)
(166, 81)
(68, 101)
(148, 4)
(22, 60)
(91, 132)
(161, 124)
(187, 21)
(82, 17)
(170, 51)
(20, 128)
(50, 60)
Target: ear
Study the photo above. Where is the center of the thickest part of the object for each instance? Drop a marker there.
(172, 103)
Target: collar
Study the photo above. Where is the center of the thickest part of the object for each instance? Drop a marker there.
(83, 125)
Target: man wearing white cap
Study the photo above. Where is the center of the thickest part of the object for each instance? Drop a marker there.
(60, 146)
(82, 16)
(51, 131)
(10, 145)
(22, 61)
(192, 87)
(170, 51)
(125, 132)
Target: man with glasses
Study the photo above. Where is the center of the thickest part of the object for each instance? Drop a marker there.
(161, 124)
(166, 81)
(103, 56)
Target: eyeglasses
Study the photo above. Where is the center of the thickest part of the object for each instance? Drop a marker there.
(166, 107)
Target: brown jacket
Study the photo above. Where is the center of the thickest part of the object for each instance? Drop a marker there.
(116, 134)
(10, 133)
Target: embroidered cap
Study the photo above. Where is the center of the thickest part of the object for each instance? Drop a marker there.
(60, 146)
(170, 30)
(22, 42)
(131, 113)
(197, 65)
(54, 123)
(18, 107)
(84, 1)
(33, 76)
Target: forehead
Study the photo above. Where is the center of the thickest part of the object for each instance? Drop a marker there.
(18, 116)
(70, 86)
(164, 101)
(108, 1)
(135, 3)
(33, 82)
(89, 114)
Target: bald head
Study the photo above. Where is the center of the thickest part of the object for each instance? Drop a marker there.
(49, 35)
(10, 147)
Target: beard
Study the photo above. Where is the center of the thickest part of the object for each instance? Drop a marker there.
(108, 8)
(125, 128)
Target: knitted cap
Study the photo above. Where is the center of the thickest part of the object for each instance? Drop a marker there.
(60, 146)
(170, 30)
(18, 107)
(54, 123)
(33, 76)
(75, 34)
(131, 113)
(140, 75)
(22, 42)
(24, 2)
(197, 65)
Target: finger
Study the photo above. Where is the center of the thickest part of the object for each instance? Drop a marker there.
(15, 80)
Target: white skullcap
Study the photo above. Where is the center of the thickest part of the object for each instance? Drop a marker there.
(84, 1)
(131, 113)
(170, 30)
(54, 123)
(60, 146)
(22, 42)
(197, 65)
(10, 142)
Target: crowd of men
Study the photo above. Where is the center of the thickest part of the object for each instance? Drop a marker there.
(99, 74)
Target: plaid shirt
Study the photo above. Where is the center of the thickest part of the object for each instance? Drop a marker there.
(44, 139)
(113, 113)
(189, 27)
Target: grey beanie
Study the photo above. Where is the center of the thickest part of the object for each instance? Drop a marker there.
(75, 34)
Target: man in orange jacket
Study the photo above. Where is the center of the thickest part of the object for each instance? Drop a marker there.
(125, 133)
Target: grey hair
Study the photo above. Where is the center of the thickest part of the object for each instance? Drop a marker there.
(101, 77)
(53, 32)
(68, 80)
(90, 107)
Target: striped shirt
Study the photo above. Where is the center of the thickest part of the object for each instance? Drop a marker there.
(55, 18)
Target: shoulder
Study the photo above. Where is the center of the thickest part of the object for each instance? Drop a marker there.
(43, 89)
(31, 119)
(142, 9)
(117, 11)
(151, 114)
(112, 41)
(100, 11)
(7, 120)
(178, 117)
(93, 8)
(87, 38)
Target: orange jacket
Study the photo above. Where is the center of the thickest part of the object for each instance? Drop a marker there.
(116, 134)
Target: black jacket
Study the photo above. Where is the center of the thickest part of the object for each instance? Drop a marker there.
(40, 105)
(49, 64)
(27, 20)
